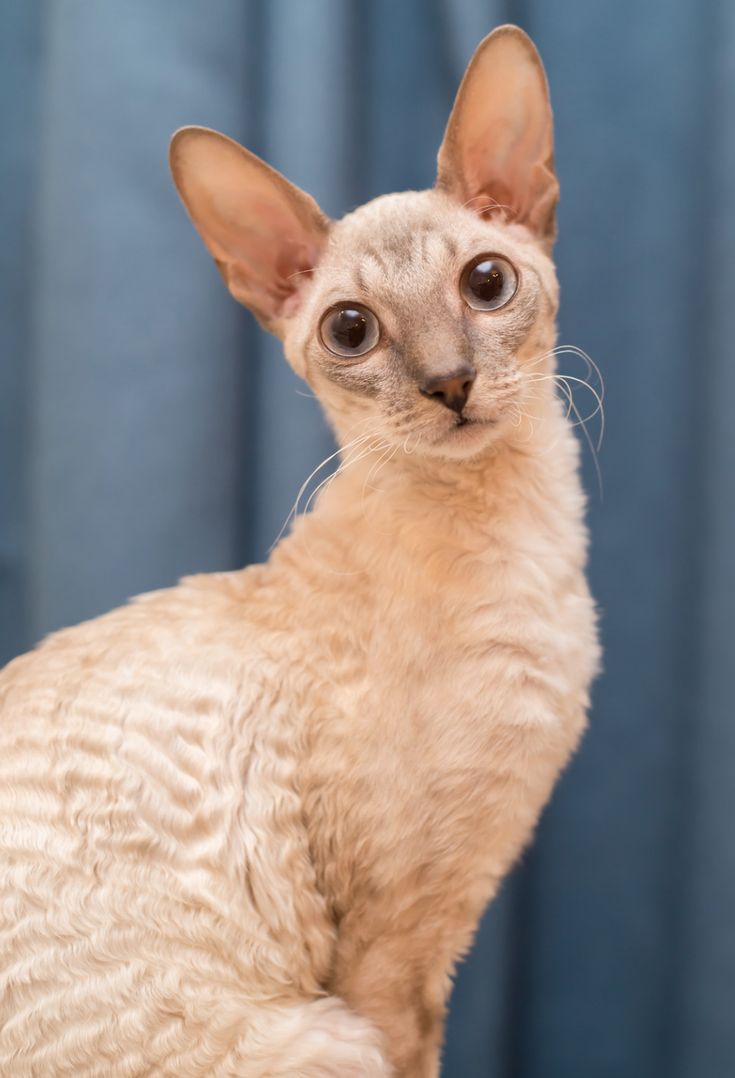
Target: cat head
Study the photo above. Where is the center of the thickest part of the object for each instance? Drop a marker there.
(419, 316)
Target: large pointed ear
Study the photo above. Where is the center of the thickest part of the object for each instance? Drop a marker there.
(499, 145)
(264, 234)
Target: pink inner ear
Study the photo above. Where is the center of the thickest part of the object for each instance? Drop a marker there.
(491, 196)
(264, 234)
(273, 255)
(498, 150)
(496, 166)
(293, 262)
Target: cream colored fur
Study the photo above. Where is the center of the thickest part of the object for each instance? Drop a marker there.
(248, 824)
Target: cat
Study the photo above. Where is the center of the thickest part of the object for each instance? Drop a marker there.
(248, 824)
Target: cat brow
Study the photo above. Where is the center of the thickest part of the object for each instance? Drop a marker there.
(450, 245)
(372, 255)
(411, 246)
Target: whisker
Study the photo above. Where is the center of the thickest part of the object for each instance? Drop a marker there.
(599, 409)
(557, 378)
(295, 507)
(592, 448)
(388, 452)
(564, 383)
(571, 349)
(362, 453)
(384, 463)
(490, 204)
(581, 422)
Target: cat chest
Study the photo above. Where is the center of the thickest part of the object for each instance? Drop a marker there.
(457, 703)
(440, 744)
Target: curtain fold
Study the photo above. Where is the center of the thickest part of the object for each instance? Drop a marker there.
(706, 967)
(149, 429)
(605, 913)
(20, 69)
(134, 362)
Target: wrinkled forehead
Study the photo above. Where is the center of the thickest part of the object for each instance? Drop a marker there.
(409, 244)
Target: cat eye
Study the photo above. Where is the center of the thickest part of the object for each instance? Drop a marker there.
(488, 282)
(349, 330)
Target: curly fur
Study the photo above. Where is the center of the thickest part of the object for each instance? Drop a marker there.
(248, 824)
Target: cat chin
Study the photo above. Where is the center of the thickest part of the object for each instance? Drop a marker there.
(464, 442)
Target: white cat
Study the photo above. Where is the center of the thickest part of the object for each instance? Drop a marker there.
(248, 824)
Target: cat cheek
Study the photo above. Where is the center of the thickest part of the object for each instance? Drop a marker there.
(295, 346)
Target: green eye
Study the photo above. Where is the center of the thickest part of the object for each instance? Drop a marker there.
(488, 282)
(349, 330)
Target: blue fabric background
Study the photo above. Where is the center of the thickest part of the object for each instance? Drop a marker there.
(148, 429)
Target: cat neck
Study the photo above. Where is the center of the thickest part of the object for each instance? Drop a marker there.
(385, 501)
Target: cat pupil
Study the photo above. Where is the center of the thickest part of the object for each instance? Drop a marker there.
(349, 331)
(349, 328)
(486, 281)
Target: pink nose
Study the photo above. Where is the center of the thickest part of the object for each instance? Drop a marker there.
(451, 390)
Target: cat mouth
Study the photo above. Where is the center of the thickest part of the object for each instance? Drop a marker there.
(464, 421)
(466, 435)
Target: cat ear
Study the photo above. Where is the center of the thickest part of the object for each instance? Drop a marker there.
(499, 146)
(264, 233)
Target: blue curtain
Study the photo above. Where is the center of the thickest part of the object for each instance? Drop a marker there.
(148, 429)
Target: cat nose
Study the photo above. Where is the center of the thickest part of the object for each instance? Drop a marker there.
(451, 390)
